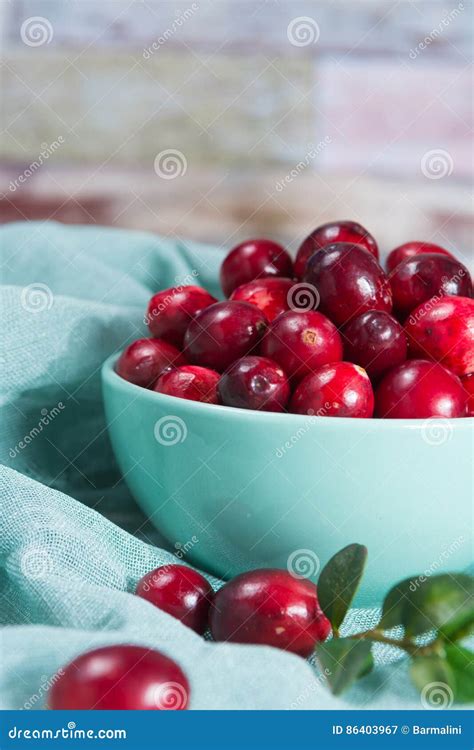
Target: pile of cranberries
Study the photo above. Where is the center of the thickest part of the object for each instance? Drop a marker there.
(268, 607)
(330, 334)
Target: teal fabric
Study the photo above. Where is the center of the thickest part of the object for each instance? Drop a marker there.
(73, 542)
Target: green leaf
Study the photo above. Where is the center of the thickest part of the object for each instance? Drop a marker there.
(435, 680)
(422, 604)
(395, 601)
(344, 660)
(339, 580)
(460, 626)
(461, 661)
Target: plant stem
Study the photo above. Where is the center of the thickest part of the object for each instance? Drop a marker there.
(403, 643)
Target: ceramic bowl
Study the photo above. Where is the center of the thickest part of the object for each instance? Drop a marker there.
(240, 489)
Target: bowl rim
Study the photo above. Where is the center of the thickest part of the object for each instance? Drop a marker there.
(110, 377)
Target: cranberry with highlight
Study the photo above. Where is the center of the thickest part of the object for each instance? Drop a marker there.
(340, 389)
(255, 383)
(418, 389)
(190, 382)
(443, 330)
(254, 259)
(120, 678)
(143, 361)
(417, 279)
(222, 333)
(375, 341)
(272, 295)
(349, 281)
(301, 342)
(181, 592)
(328, 234)
(171, 310)
(409, 249)
(272, 608)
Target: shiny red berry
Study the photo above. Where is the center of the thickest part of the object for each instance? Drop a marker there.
(120, 678)
(328, 234)
(272, 295)
(340, 389)
(417, 279)
(271, 608)
(443, 330)
(254, 259)
(375, 341)
(468, 385)
(181, 592)
(170, 311)
(222, 333)
(349, 281)
(418, 389)
(301, 342)
(254, 383)
(143, 361)
(190, 382)
(409, 249)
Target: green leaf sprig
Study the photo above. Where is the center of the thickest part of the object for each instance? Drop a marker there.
(440, 608)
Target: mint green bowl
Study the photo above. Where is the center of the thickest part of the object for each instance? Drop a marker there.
(241, 489)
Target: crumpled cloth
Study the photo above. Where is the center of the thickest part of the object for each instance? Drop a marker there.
(73, 542)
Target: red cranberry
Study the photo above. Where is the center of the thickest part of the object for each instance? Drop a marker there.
(171, 311)
(180, 591)
(271, 608)
(349, 281)
(420, 389)
(254, 259)
(468, 385)
(443, 330)
(120, 678)
(328, 234)
(417, 279)
(191, 382)
(222, 333)
(255, 383)
(301, 342)
(272, 295)
(143, 361)
(340, 389)
(375, 341)
(409, 249)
